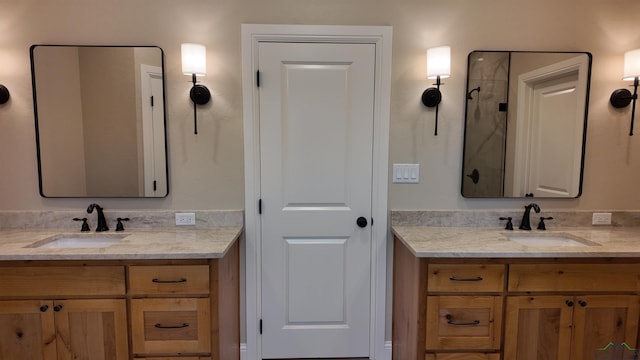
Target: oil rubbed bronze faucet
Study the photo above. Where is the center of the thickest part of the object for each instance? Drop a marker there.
(525, 224)
(102, 222)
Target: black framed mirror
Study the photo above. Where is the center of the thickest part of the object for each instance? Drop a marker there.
(100, 120)
(525, 124)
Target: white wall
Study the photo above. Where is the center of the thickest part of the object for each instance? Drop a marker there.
(206, 169)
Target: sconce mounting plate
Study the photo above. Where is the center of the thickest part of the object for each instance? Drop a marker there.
(200, 94)
(620, 98)
(4, 94)
(431, 97)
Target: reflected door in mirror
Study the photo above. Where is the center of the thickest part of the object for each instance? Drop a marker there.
(525, 124)
(100, 121)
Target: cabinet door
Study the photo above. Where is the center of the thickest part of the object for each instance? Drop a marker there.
(92, 329)
(27, 330)
(601, 320)
(538, 327)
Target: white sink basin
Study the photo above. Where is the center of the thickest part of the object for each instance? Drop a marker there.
(541, 240)
(77, 241)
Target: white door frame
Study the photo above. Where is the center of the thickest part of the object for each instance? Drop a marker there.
(525, 112)
(381, 36)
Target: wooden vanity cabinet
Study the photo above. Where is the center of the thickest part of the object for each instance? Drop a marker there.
(121, 310)
(588, 307)
(49, 323)
(552, 309)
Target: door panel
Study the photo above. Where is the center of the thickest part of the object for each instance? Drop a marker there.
(556, 138)
(316, 136)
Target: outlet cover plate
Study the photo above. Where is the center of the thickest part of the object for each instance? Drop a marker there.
(185, 219)
(601, 219)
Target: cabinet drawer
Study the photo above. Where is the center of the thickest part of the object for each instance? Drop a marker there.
(574, 277)
(170, 279)
(465, 277)
(176, 358)
(170, 326)
(57, 281)
(462, 356)
(463, 322)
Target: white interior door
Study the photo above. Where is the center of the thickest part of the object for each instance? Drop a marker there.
(153, 139)
(316, 104)
(556, 138)
(549, 129)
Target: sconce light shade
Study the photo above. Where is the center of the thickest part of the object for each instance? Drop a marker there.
(438, 67)
(631, 65)
(621, 98)
(194, 59)
(4, 94)
(439, 62)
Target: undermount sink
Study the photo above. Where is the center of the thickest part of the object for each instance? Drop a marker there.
(77, 241)
(549, 240)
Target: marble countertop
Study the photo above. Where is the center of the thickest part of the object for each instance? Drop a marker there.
(477, 242)
(166, 243)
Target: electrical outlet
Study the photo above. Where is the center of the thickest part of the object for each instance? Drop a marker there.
(601, 219)
(185, 218)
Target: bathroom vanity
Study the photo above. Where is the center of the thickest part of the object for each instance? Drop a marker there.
(477, 293)
(161, 295)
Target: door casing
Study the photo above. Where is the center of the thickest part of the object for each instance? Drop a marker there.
(381, 36)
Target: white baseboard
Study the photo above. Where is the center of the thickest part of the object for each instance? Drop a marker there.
(243, 351)
(387, 351)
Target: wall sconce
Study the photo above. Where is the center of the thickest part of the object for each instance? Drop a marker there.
(438, 67)
(194, 63)
(621, 98)
(4, 94)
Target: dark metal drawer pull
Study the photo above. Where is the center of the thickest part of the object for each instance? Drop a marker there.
(455, 278)
(156, 280)
(461, 323)
(160, 326)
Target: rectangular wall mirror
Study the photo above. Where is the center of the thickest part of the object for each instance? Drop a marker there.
(100, 120)
(525, 124)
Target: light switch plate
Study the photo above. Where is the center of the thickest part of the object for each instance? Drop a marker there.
(406, 173)
(185, 218)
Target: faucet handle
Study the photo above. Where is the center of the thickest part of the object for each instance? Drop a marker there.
(541, 225)
(85, 226)
(119, 226)
(509, 225)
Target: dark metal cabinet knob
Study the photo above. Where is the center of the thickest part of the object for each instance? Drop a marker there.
(57, 308)
(44, 308)
(362, 222)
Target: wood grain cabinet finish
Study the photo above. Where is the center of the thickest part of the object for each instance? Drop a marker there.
(464, 322)
(169, 279)
(513, 309)
(462, 356)
(84, 310)
(569, 327)
(169, 326)
(63, 329)
(465, 277)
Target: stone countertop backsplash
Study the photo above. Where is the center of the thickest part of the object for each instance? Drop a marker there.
(57, 219)
(147, 235)
(147, 244)
(481, 234)
(491, 218)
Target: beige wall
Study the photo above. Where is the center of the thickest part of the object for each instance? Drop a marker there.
(206, 170)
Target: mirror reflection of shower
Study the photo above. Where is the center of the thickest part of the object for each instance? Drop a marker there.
(470, 93)
(487, 83)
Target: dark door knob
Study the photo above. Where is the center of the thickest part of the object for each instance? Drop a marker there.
(362, 222)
